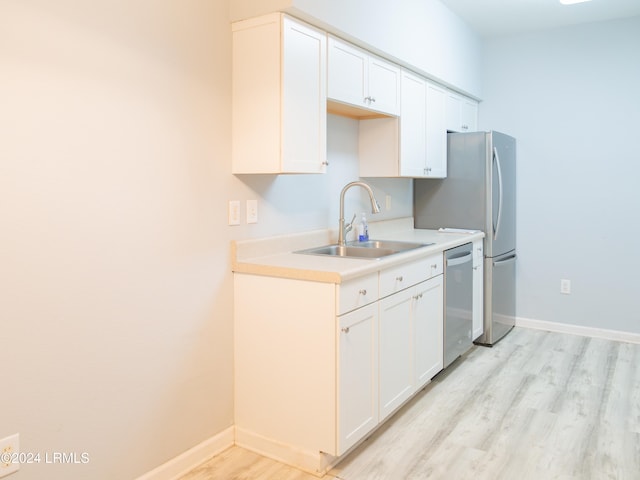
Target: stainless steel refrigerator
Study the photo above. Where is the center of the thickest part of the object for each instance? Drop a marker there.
(479, 193)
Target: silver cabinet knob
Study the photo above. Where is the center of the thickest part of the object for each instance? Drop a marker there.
(345, 329)
(363, 292)
(400, 278)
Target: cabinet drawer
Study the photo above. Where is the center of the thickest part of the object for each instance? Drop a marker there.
(356, 293)
(404, 276)
(435, 265)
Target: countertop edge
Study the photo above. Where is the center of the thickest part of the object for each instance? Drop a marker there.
(338, 270)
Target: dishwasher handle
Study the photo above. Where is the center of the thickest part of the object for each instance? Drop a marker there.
(459, 259)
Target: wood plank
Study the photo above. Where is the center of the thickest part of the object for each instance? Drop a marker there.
(537, 405)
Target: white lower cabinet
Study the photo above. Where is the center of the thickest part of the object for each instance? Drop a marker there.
(318, 366)
(477, 310)
(410, 333)
(428, 317)
(357, 375)
(396, 351)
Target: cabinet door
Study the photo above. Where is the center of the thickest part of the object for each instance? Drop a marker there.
(347, 73)
(278, 121)
(462, 113)
(357, 375)
(304, 115)
(453, 103)
(477, 314)
(413, 125)
(428, 329)
(396, 351)
(383, 92)
(469, 115)
(436, 132)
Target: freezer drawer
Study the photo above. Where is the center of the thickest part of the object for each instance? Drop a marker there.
(499, 297)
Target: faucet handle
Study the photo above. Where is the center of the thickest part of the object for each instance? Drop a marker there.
(349, 226)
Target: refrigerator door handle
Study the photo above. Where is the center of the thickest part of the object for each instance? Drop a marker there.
(459, 260)
(496, 226)
(509, 259)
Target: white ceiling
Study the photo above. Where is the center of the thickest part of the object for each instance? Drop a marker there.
(491, 18)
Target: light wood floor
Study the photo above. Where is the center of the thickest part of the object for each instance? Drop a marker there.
(538, 405)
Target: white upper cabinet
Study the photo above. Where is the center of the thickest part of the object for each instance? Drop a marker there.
(360, 79)
(413, 125)
(436, 144)
(279, 96)
(415, 144)
(462, 113)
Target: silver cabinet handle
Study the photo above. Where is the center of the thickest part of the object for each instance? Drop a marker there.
(373, 99)
(434, 266)
(400, 278)
(325, 163)
(345, 329)
(363, 291)
(417, 297)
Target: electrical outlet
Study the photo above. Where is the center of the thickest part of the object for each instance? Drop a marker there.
(252, 211)
(9, 453)
(234, 212)
(565, 286)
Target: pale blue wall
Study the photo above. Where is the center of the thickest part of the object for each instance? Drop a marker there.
(571, 97)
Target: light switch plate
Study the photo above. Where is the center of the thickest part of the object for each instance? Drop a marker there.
(252, 211)
(234, 212)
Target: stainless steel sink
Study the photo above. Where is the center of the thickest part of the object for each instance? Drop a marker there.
(369, 249)
(391, 245)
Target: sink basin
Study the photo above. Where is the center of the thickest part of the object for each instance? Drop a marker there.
(369, 249)
(390, 245)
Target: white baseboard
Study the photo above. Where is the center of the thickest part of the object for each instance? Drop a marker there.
(314, 463)
(603, 333)
(187, 461)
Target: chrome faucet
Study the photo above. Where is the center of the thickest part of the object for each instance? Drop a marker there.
(344, 229)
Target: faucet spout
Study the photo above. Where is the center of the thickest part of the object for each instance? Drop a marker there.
(375, 208)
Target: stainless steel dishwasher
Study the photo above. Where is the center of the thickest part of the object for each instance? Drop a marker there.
(458, 277)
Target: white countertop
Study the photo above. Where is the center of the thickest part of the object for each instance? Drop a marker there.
(275, 257)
